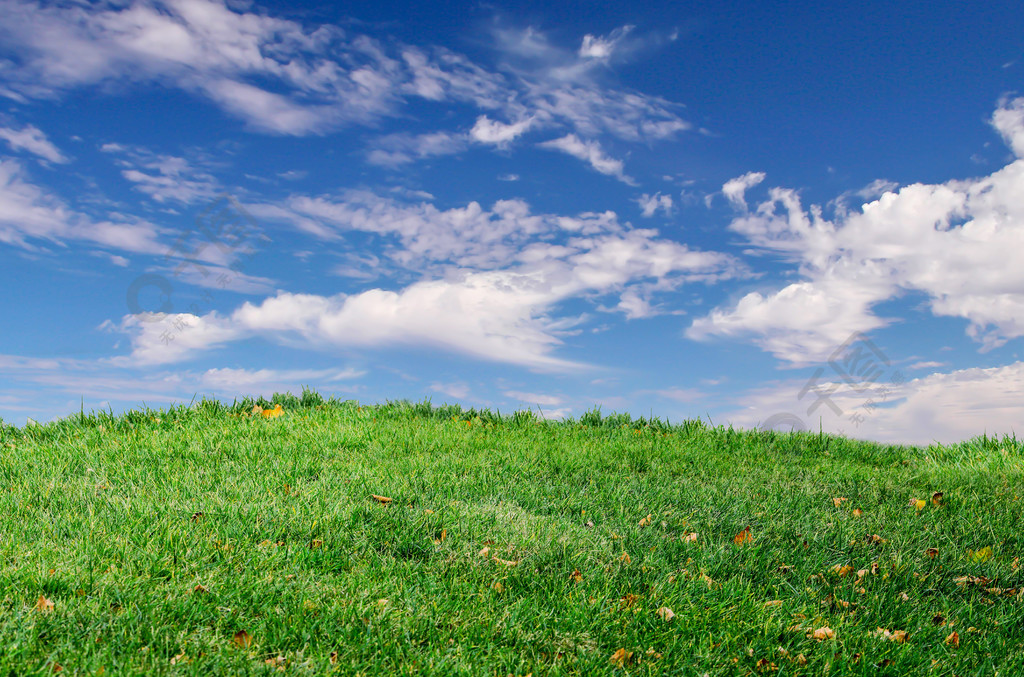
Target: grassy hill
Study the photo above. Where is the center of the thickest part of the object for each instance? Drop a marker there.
(324, 537)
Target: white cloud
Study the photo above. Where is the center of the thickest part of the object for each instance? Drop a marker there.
(591, 153)
(498, 133)
(472, 308)
(535, 398)
(955, 242)
(650, 204)
(459, 391)
(399, 149)
(33, 140)
(603, 47)
(29, 213)
(166, 177)
(930, 364)
(734, 189)
(942, 407)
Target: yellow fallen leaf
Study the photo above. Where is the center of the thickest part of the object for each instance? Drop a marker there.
(506, 562)
(838, 501)
(857, 512)
(982, 555)
(44, 605)
(621, 658)
(380, 499)
(953, 639)
(743, 537)
(272, 413)
(645, 521)
(484, 552)
(576, 576)
(666, 614)
(625, 558)
(918, 504)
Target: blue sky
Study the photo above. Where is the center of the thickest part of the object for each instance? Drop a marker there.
(801, 215)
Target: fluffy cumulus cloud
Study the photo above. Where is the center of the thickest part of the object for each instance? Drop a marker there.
(497, 277)
(956, 242)
(941, 407)
(650, 204)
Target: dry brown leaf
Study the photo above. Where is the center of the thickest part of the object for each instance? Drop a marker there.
(621, 658)
(43, 605)
(842, 570)
(823, 633)
(857, 512)
(625, 558)
(773, 602)
(838, 501)
(576, 576)
(645, 521)
(180, 658)
(381, 499)
(939, 620)
(506, 562)
(316, 544)
(932, 552)
(953, 639)
(899, 636)
(689, 538)
(937, 498)
(333, 658)
(629, 600)
(666, 614)
(484, 552)
(743, 537)
(200, 589)
(242, 639)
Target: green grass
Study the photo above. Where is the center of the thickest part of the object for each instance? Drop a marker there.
(118, 520)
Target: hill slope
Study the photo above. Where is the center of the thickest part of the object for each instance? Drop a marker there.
(326, 537)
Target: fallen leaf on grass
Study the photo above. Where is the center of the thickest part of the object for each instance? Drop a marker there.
(242, 639)
(506, 562)
(576, 576)
(200, 589)
(621, 658)
(899, 636)
(932, 552)
(857, 512)
(484, 552)
(842, 570)
(743, 537)
(625, 558)
(272, 413)
(689, 538)
(953, 639)
(773, 602)
(917, 504)
(43, 605)
(982, 555)
(381, 499)
(180, 658)
(823, 633)
(440, 539)
(628, 600)
(971, 580)
(666, 614)
(645, 521)
(838, 501)
(278, 661)
(937, 498)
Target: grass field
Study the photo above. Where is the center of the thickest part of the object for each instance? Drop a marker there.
(329, 538)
